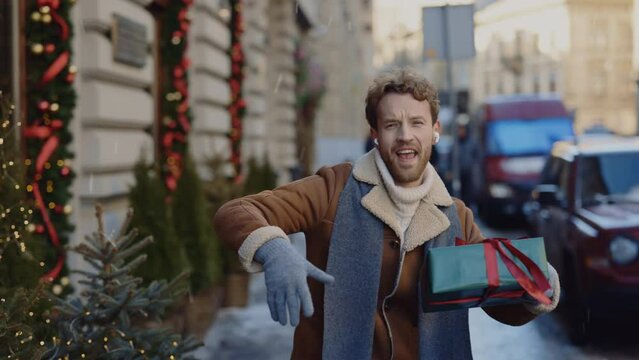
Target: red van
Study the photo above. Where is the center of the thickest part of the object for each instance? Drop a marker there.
(514, 135)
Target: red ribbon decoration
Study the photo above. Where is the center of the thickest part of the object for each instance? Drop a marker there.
(170, 133)
(51, 141)
(55, 68)
(534, 287)
(64, 28)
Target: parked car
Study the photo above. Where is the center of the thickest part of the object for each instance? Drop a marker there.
(587, 209)
(514, 135)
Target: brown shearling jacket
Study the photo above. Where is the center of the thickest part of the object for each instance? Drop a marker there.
(309, 205)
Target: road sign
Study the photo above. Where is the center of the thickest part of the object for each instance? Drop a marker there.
(448, 32)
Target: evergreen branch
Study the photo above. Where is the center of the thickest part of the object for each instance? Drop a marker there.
(176, 281)
(99, 215)
(127, 268)
(125, 226)
(123, 242)
(113, 314)
(136, 247)
(93, 263)
(83, 249)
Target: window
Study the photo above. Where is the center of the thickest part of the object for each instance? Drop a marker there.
(6, 65)
(605, 178)
(526, 137)
(552, 83)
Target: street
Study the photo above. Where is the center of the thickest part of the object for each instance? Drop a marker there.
(249, 333)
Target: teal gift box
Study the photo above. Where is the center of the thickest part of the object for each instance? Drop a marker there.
(467, 276)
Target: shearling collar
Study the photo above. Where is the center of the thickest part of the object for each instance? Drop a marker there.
(428, 220)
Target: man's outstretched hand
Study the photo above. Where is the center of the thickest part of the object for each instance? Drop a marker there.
(285, 271)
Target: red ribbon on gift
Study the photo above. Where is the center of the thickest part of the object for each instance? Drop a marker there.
(535, 286)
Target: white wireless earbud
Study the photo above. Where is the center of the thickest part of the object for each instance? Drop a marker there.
(436, 137)
(376, 142)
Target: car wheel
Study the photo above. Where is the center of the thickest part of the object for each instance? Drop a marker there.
(577, 314)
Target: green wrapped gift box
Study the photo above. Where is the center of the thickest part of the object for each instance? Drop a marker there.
(456, 276)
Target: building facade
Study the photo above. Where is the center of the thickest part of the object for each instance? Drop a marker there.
(115, 119)
(340, 40)
(581, 49)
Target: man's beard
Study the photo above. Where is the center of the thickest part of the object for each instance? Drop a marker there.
(401, 175)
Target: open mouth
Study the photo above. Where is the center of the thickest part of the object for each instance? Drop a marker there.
(406, 154)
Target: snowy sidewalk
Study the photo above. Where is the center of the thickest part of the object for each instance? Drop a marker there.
(250, 333)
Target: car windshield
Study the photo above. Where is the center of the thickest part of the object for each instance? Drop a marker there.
(526, 137)
(609, 178)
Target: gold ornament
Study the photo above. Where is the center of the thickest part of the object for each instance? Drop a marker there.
(37, 48)
(30, 228)
(175, 40)
(54, 107)
(36, 16)
(68, 209)
(45, 9)
(57, 289)
(73, 69)
(46, 18)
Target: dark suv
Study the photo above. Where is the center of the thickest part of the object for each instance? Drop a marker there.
(513, 134)
(587, 209)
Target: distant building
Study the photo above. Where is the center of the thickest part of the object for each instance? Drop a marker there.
(582, 50)
(342, 40)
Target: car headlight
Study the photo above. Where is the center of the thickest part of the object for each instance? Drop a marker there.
(500, 191)
(623, 250)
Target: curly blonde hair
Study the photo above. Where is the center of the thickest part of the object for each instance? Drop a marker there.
(400, 81)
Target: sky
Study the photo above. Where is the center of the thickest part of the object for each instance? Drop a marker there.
(394, 19)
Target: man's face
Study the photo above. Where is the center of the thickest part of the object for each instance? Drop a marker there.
(405, 134)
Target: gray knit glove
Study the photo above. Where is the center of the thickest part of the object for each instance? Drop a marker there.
(554, 293)
(285, 271)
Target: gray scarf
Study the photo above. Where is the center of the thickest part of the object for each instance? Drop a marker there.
(354, 260)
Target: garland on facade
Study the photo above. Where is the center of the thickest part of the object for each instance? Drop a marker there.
(50, 102)
(237, 107)
(176, 114)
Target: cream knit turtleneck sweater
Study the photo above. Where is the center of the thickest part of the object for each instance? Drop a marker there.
(406, 200)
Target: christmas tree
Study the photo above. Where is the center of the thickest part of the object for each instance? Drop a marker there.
(106, 322)
(193, 226)
(154, 217)
(23, 322)
(22, 299)
(15, 215)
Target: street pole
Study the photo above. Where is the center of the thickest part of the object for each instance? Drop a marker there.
(637, 105)
(452, 102)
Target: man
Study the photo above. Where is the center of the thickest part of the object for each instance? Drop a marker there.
(368, 226)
